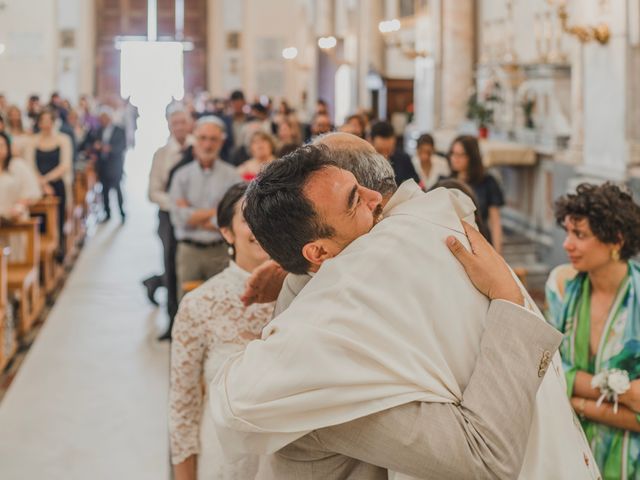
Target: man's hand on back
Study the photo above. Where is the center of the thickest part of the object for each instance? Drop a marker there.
(264, 284)
(487, 270)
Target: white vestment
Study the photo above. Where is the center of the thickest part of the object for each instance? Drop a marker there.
(393, 319)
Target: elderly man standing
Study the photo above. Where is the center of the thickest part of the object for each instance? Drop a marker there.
(164, 160)
(195, 191)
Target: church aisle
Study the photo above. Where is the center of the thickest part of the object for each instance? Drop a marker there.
(90, 399)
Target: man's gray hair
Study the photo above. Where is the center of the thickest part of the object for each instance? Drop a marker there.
(175, 110)
(371, 169)
(211, 120)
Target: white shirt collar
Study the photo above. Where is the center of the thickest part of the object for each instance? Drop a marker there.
(406, 191)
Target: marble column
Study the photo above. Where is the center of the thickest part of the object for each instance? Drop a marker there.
(605, 77)
(577, 100)
(458, 57)
(424, 92)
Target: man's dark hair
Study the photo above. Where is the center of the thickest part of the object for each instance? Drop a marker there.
(613, 215)
(237, 95)
(260, 108)
(382, 129)
(280, 216)
(426, 139)
(287, 148)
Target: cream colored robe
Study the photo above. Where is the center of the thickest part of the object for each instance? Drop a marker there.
(392, 319)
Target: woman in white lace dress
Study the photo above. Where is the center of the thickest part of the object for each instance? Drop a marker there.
(212, 324)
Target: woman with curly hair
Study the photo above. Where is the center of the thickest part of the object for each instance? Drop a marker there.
(595, 302)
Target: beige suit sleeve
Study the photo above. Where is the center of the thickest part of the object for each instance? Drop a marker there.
(485, 436)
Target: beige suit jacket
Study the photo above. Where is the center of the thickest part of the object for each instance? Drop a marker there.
(483, 437)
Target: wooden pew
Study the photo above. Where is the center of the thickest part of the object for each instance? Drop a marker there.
(49, 241)
(191, 285)
(75, 226)
(8, 344)
(24, 274)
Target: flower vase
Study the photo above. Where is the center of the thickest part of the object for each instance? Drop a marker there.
(483, 132)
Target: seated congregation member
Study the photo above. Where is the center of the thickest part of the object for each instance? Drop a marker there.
(195, 192)
(429, 166)
(595, 302)
(19, 185)
(15, 127)
(211, 325)
(110, 142)
(50, 152)
(466, 165)
(242, 152)
(19, 188)
(355, 125)
(88, 120)
(383, 139)
(263, 150)
(320, 125)
(378, 362)
(289, 132)
(238, 116)
(33, 109)
(72, 128)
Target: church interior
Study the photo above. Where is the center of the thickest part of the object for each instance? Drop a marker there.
(96, 94)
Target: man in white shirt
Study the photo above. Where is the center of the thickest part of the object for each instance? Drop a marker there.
(195, 192)
(164, 160)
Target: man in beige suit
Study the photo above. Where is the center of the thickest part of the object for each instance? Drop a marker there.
(467, 439)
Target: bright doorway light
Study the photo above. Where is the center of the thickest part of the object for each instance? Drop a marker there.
(151, 76)
(151, 72)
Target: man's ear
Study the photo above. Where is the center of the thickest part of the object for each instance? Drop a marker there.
(317, 252)
(228, 235)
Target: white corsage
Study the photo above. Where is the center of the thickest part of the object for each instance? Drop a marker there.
(611, 383)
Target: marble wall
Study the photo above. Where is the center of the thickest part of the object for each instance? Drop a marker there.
(458, 55)
(605, 125)
(29, 62)
(49, 46)
(76, 61)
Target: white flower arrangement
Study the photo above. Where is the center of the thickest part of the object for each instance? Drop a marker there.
(611, 383)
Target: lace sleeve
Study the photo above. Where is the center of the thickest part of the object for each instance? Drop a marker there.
(185, 394)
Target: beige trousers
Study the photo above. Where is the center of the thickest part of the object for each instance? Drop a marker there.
(195, 263)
